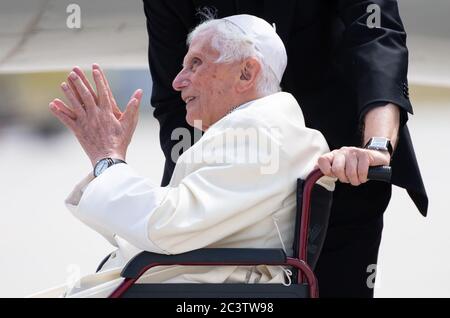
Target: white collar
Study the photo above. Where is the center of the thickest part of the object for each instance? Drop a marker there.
(241, 106)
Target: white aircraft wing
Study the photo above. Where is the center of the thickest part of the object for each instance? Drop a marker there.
(35, 36)
(42, 35)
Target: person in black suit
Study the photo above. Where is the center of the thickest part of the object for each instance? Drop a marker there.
(350, 79)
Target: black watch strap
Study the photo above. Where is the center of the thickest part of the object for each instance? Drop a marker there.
(117, 161)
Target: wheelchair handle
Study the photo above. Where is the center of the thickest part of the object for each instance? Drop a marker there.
(380, 173)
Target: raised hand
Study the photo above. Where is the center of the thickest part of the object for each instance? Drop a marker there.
(94, 117)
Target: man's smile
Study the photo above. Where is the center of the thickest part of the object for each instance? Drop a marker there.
(189, 99)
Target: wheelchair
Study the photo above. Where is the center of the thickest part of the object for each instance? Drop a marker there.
(313, 210)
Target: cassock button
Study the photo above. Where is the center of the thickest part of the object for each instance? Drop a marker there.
(405, 90)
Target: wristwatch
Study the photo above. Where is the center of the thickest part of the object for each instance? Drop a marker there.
(380, 144)
(104, 164)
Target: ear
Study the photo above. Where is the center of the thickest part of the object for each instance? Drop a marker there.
(250, 70)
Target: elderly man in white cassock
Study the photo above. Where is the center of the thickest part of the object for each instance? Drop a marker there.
(235, 187)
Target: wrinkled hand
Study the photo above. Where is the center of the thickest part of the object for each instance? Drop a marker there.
(98, 124)
(351, 164)
(117, 112)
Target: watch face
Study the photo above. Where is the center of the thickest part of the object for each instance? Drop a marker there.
(379, 143)
(101, 166)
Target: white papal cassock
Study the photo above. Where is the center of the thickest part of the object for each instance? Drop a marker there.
(234, 188)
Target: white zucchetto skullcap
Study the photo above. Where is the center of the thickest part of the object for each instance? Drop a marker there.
(266, 40)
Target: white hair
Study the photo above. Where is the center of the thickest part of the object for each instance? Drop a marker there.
(233, 45)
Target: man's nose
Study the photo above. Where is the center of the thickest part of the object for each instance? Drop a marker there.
(180, 81)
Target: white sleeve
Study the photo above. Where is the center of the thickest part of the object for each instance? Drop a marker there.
(117, 203)
(72, 205)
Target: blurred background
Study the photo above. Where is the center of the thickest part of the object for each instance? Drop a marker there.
(42, 245)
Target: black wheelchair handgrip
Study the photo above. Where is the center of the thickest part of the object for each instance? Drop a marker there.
(380, 173)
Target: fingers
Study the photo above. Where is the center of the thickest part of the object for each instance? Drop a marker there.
(81, 94)
(324, 164)
(348, 164)
(363, 166)
(95, 66)
(131, 115)
(105, 80)
(85, 81)
(83, 91)
(64, 108)
(116, 110)
(102, 90)
(137, 97)
(138, 94)
(62, 116)
(73, 100)
(338, 167)
(74, 90)
(135, 100)
(351, 166)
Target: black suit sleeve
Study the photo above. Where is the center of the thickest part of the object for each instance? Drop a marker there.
(168, 23)
(376, 58)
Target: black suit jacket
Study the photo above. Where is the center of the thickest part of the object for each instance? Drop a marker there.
(338, 68)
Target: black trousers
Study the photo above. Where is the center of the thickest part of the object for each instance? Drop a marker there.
(346, 266)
